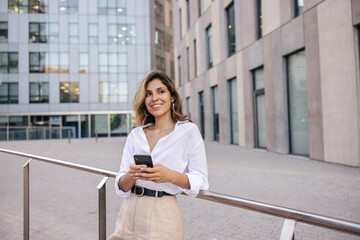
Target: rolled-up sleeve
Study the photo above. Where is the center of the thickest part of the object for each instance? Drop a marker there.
(197, 167)
(126, 161)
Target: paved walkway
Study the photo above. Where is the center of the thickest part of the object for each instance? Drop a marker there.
(64, 201)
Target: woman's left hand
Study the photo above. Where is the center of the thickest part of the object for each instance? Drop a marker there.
(157, 174)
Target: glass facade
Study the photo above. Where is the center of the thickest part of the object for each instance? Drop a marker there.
(209, 47)
(160, 63)
(122, 34)
(112, 62)
(99, 125)
(299, 7)
(93, 33)
(9, 62)
(259, 108)
(69, 92)
(202, 113)
(73, 33)
(3, 32)
(215, 109)
(188, 107)
(111, 7)
(259, 19)
(230, 16)
(9, 93)
(233, 112)
(298, 106)
(159, 12)
(68, 7)
(27, 6)
(43, 32)
(118, 125)
(39, 92)
(113, 92)
(83, 62)
(49, 62)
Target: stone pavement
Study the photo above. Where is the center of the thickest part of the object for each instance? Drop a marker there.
(63, 201)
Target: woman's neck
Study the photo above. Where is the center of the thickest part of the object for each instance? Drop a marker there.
(163, 123)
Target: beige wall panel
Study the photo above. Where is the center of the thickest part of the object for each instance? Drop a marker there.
(224, 106)
(292, 36)
(271, 16)
(311, 3)
(280, 94)
(216, 32)
(241, 102)
(286, 11)
(269, 94)
(338, 82)
(355, 6)
(248, 22)
(316, 141)
(256, 54)
(248, 102)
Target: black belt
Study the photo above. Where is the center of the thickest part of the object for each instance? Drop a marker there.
(141, 191)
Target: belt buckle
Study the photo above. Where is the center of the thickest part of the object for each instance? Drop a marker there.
(143, 191)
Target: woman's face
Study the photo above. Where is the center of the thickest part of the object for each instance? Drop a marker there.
(158, 98)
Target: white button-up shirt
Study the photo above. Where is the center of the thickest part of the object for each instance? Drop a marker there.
(181, 150)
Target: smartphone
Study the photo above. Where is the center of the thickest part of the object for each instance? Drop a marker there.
(143, 160)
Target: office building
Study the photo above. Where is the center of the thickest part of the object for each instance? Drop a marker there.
(279, 75)
(71, 67)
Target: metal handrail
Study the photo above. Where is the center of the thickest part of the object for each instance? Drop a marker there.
(287, 213)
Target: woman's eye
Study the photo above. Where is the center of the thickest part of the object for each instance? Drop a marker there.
(161, 91)
(147, 94)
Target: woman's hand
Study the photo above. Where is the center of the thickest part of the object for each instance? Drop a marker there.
(135, 169)
(161, 174)
(158, 173)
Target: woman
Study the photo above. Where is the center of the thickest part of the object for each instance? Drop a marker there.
(150, 209)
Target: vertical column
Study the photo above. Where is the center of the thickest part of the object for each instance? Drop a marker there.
(26, 200)
(102, 208)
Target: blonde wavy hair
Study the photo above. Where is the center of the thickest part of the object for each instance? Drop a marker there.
(142, 114)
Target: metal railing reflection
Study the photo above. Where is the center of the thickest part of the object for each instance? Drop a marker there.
(291, 216)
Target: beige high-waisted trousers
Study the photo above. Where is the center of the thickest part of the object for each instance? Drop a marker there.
(149, 218)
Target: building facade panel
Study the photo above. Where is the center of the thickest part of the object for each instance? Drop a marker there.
(338, 74)
(313, 76)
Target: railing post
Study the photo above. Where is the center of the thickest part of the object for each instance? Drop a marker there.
(102, 208)
(288, 230)
(26, 200)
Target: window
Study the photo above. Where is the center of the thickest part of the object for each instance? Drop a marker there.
(188, 107)
(259, 18)
(171, 20)
(231, 29)
(297, 103)
(122, 34)
(118, 125)
(29, 6)
(39, 92)
(99, 125)
(83, 62)
(160, 63)
(93, 33)
(159, 12)
(3, 32)
(215, 108)
(160, 41)
(111, 7)
(113, 92)
(187, 64)
(200, 7)
(69, 92)
(169, 42)
(202, 113)
(233, 112)
(9, 62)
(9, 93)
(259, 108)
(112, 62)
(68, 6)
(299, 7)
(188, 11)
(43, 32)
(172, 70)
(73, 33)
(195, 59)
(209, 47)
(53, 62)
